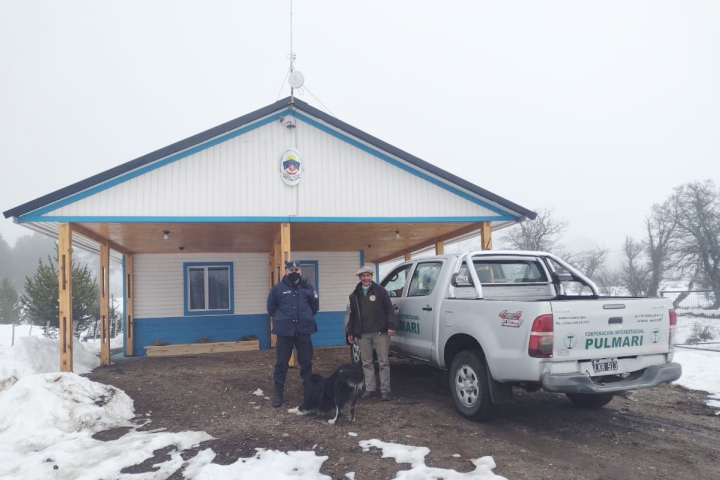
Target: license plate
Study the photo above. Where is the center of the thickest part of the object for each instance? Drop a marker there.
(605, 365)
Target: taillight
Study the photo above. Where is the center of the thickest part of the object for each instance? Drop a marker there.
(541, 337)
(673, 327)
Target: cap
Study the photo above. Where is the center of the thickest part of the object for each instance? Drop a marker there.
(292, 264)
(365, 269)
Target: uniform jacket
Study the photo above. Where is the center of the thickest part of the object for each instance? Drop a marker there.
(386, 315)
(293, 307)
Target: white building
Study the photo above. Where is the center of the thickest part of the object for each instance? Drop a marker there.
(216, 215)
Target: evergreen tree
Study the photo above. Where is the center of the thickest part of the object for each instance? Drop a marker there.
(40, 301)
(5, 256)
(9, 303)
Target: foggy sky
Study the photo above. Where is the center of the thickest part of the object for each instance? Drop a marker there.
(597, 110)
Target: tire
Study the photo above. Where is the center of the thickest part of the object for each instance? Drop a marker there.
(355, 354)
(469, 385)
(590, 400)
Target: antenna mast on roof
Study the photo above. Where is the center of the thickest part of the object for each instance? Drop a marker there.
(295, 79)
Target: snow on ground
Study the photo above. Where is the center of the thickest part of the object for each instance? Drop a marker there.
(49, 419)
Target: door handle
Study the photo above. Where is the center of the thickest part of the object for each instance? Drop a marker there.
(427, 308)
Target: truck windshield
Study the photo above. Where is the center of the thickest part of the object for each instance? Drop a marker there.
(506, 270)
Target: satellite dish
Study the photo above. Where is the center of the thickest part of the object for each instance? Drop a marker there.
(296, 79)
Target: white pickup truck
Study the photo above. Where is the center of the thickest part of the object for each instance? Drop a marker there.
(503, 319)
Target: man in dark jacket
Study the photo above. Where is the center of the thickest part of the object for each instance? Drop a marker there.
(292, 303)
(371, 324)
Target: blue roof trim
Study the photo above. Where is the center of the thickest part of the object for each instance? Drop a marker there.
(157, 164)
(79, 219)
(397, 164)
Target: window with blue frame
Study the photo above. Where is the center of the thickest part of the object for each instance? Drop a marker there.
(208, 288)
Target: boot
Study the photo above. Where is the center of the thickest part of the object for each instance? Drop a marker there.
(277, 399)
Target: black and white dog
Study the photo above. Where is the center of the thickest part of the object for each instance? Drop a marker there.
(344, 386)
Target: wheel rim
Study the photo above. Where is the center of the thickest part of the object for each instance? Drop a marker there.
(356, 353)
(467, 388)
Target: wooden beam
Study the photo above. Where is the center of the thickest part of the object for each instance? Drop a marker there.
(421, 246)
(282, 253)
(65, 296)
(99, 239)
(285, 243)
(129, 306)
(408, 256)
(278, 267)
(180, 349)
(486, 236)
(104, 277)
(275, 256)
(439, 247)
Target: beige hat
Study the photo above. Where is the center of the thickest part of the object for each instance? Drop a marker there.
(365, 269)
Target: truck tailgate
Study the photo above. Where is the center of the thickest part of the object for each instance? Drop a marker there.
(610, 328)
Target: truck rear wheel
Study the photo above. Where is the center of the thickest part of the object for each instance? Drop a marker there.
(469, 385)
(590, 400)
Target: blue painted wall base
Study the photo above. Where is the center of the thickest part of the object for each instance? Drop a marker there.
(227, 328)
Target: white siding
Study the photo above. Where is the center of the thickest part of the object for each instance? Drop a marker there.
(159, 286)
(159, 289)
(336, 276)
(226, 180)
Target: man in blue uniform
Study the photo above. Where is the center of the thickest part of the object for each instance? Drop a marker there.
(292, 303)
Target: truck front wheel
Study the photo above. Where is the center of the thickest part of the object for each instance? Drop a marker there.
(469, 385)
(590, 400)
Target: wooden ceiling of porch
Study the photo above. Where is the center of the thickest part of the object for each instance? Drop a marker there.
(378, 240)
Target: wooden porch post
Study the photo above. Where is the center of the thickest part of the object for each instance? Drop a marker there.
(284, 244)
(485, 236)
(104, 276)
(281, 250)
(65, 297)
(439, 248)
(408, 256)
(129, 315)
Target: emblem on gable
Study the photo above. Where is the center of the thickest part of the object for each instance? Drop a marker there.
(291, 167)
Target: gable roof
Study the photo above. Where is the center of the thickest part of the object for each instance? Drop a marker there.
(281, 105)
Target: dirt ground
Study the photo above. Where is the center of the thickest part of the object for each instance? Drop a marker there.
(662, 433)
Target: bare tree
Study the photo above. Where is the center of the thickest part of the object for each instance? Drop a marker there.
(660, 227)
(610, 283)
(698, 232)
(541, 234)
(635, 274)
(589, 262)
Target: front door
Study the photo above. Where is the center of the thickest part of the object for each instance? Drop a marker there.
(415, 325)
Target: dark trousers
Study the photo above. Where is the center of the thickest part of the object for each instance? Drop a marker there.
(283, 352)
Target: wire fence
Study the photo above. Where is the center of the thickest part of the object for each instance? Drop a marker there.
(698, 318)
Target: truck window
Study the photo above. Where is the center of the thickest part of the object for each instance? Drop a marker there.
(395, 282)
(424, 278)
(506, 271)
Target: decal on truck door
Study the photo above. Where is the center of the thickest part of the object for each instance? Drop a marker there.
(409, 323)
(510, 319)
